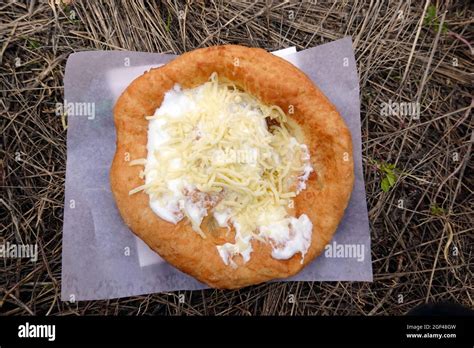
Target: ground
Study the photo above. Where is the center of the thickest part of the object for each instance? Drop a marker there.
(417, 170)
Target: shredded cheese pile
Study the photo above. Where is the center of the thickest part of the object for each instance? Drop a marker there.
(214, 151)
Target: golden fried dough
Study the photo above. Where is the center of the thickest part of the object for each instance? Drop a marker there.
(275, 82)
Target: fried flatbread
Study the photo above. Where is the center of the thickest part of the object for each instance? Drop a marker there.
(275, 82)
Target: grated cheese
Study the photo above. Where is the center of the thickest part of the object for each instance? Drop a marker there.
(213, 142)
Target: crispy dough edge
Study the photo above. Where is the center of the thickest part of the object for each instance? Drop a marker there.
(274, 81)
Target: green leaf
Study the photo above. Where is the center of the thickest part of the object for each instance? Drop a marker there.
(391, 177)
(436, 210)
(432, 20)
(430, 14)
(168, 22)
(385, 185)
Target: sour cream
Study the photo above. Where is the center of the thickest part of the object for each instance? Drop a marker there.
(286, 234)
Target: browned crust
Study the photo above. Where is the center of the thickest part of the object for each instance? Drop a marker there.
(274, 81)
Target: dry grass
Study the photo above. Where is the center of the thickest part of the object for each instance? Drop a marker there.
(399, 58)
